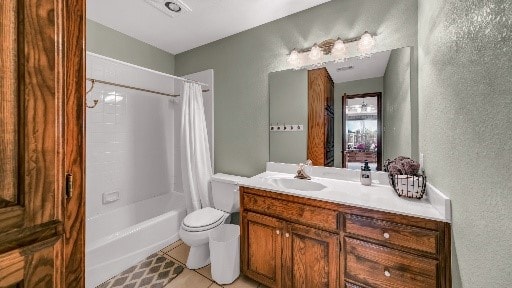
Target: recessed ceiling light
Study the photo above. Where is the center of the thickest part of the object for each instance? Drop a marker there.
(172, 6)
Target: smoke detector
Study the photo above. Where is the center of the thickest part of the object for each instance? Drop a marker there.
(173, 8)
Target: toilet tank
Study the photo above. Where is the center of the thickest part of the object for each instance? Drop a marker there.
(225, 192)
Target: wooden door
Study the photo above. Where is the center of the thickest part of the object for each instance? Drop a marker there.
(41, 139)
(311, 257)
(261, 248)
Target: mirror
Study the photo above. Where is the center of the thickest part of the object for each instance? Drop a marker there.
(341, 114)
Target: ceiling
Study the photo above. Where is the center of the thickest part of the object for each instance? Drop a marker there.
(209, 20)
(366, 68)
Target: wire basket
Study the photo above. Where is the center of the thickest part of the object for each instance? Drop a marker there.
(408, 185)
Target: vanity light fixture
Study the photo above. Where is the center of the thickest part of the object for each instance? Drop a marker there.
(294, 57)
(315, 52)
(366, 44)
(331, 50)
(339, 51)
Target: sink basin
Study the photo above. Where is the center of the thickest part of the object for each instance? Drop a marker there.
(296, 184)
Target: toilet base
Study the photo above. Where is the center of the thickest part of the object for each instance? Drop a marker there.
(199, 256)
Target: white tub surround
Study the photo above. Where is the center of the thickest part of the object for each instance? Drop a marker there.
(342, 186)
(118, 239)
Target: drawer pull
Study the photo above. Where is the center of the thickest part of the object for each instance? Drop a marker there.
(386, 235)
(287, 235)
(387, 273)
(278, 232)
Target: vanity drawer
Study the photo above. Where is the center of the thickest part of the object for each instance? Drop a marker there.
(292, 211)
(377, 266)
(387, 232)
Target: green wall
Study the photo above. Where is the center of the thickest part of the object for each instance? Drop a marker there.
(288, 92)
(465, 124)
(351, 88)
(242, 63)
(108, 42)
(396, 107)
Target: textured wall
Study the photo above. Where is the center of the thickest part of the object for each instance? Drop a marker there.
(242, 63)
(108, 42)
(465, 97)
(396, 106)
(288, 96)
(351, 88)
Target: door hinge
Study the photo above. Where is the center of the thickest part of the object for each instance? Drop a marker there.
(69, 185)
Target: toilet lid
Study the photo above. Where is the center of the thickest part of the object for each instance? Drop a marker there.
(203, 219)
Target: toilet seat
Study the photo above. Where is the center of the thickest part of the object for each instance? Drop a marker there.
(203, 219)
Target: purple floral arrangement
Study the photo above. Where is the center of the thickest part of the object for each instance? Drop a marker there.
(402, 166)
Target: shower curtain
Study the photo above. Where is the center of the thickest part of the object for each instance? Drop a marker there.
(195, 151)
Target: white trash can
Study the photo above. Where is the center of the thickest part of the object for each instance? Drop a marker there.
(225, 253)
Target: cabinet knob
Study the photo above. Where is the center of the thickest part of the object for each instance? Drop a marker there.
(287, 235)
(386, 235)
(278, 232)
(387, 273)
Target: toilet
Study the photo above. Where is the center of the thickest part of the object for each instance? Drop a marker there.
(197, 225)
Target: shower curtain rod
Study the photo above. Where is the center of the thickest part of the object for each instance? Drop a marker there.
(92, 80)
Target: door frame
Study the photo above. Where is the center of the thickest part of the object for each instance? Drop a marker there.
(42, 226)
(74, 32)
(344, 99)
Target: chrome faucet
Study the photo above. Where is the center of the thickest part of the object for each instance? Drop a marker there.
(301, 173)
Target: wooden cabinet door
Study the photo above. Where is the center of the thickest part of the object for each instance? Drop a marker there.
(41, 126)
(311, 257)
(262, 248)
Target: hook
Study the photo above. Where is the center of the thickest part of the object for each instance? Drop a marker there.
(95, 101)
(88, 91)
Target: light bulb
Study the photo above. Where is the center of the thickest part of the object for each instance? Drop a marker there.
(366, 44)
(294, 58)
(339, 50)
(315, 52)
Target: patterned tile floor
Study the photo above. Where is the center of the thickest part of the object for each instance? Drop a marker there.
(200, 278)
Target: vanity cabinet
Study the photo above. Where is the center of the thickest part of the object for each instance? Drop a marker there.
(262, 257)
(311, 257)
(292, 241)
(284, 254)
(288, 244)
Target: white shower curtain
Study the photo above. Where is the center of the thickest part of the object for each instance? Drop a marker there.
(195, 151)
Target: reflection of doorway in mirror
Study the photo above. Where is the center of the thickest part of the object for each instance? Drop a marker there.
(362, 137)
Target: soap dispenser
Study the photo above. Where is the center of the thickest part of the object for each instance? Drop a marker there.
(366, 174)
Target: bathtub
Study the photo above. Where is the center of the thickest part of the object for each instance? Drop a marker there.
(120, 238)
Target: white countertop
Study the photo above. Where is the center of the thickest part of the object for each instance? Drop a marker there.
(377, 196)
